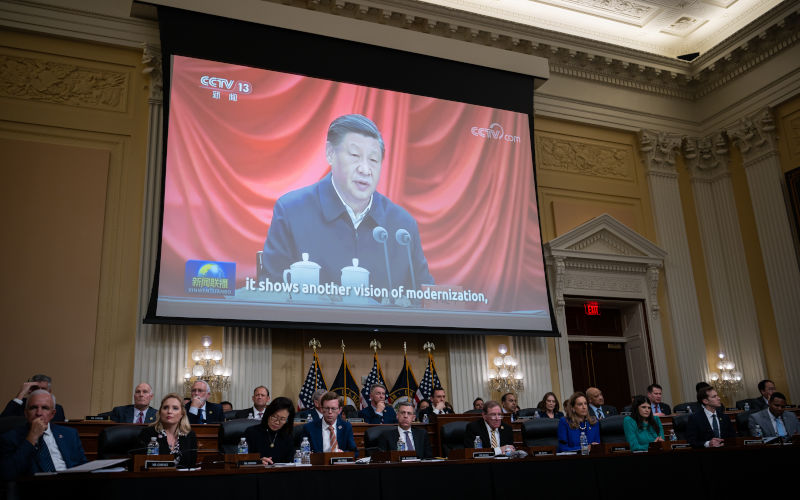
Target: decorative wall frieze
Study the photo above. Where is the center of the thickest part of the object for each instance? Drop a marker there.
(151, 58)
(706, 157)
(564, 155)
(43, 80)
(605, 266)
(604, 283)
(755, 136)
(605, 242)
(658, 152)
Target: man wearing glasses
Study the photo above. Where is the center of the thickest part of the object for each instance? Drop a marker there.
(378, 412)
(414, 438)
(493, 433)
(330, 434)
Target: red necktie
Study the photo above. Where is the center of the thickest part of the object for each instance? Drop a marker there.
(140, 421)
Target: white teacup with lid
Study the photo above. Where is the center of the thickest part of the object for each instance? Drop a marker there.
(354, 276)
(303, 272)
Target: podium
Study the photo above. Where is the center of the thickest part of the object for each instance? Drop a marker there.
(341, 457)
(393, 456)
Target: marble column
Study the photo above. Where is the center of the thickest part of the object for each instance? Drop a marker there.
(658, 155)
(756, 139)
(732, 300)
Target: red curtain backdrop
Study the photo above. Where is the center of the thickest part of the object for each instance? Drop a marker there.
(229, 161)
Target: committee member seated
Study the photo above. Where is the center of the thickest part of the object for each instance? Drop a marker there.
(642, 427)
(597, 406)
(378, 412)
(509, 405)
(774, 421)
(766, 388)
(414, 438)
(709, 427)
(333, 220)
(38, 445)
(260, 401)
(577, 421)
(140, 412)
(172, 431)
(199, 409)
(15, 407)
(330, 434)
(654, 395)
(548, 407)
(493, 433)
(314, 413)
(272, 438)
(438, 404)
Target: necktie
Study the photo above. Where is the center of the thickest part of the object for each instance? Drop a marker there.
(260, 414)
(600, 413)
(715, 425)
(43, 456)
(494, 438)
(780, 427)
(140, 421)
(409, 442)
(332, 433)
(202, 415)
(658, 408)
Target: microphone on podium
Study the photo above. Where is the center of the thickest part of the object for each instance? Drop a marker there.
(381, 235)
(404, 238)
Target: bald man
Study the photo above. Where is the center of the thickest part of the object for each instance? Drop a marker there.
(140, 412)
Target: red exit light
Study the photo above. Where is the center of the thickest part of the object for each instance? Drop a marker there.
(591, 308)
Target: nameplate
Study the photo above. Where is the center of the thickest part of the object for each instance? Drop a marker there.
(732, 409)
(751, 442)
(790, 407)
(619, 449)
(482, 454)
(409, 459)
(248, 463)
(342, 460)
(159, 464)
(680, 446)
(626, 414)
(300, 420)
(95, 417)
(355, 420)
(544, 453)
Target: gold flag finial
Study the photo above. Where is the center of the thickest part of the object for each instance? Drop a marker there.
(375, 345)
(405, 351)
(429, 347)
(342, 345)
(314, 344)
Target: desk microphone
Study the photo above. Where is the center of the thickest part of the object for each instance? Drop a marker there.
(404, 239)
(381, 235)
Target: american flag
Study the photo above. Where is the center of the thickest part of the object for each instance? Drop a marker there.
(405, 386)
(375, 377)
(429, 382)
(314, 381)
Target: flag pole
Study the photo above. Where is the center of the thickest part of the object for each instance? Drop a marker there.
(315, 344)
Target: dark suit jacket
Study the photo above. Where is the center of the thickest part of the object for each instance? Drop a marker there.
(19, 458)
(246, 413)
(14, 409)
(478, 428)
(608, 410)
(188, 446)
(344, 435)
(370, 417)
(214, 414)
(308, 414)
(124, 414)
(429, 411)
(422, 445)
(757, 404)
(698, 430)
(665, 408)
(259, 440)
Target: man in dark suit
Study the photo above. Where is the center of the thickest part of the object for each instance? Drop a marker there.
(597, 408)
(438, 404)
(654, 394)
(709, 427)
(140, 412)
(39, 446)
(766, 388)
(199, 410)
(509, 405)
(493, 433)
(773, 421)
(378, 412)
(414, 438)
(331, 433)
(314, 414)
(260, 402)
(16, 407)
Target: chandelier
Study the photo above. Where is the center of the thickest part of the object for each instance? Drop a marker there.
(207, 366)
(506, 377)
(727, 382)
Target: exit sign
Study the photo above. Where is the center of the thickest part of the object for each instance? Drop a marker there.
(591, 308)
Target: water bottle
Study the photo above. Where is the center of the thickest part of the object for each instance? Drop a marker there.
(672, 436)
(305, 448)
(758, 431)
(401, 445)
(152, 446)
(584, 444)
(689, 409)
(746, 406)
(477, 443)
(242, 449)
(424, 418)
(298, 457)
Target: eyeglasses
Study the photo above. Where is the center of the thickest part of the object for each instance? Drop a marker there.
(325, 408)
(280, 420)
(494, 415)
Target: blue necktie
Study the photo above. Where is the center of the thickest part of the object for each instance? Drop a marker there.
(410, 443)
(202, 416)
(715, 425)
(44, 459)
(600, 413)
(779, 425)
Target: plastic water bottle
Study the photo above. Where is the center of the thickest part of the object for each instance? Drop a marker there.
(424, 418)
(242, 449)
(305, 448)
(401, 445)
(746, 406)
(477, 443)
(758, 431)
(689, 409)
(672, 436)
(298, 457)
(152, 446)
(584, 444)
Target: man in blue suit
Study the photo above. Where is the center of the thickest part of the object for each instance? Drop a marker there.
(378, 412)
(331, 433)
(199, 410)
(39, 446)
(709, 427)
(140, 412)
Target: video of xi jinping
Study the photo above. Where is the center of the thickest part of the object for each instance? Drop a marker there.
(291, 199)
